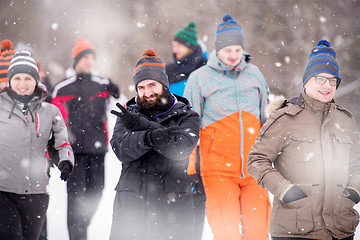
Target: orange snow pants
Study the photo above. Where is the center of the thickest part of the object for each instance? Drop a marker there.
(231, 201)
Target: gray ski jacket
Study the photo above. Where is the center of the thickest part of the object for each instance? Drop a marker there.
(23, 144)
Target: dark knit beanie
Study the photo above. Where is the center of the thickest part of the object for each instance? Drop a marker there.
(187, 36)
(81, 48)
(7, 53)
(228, 33)
(150, 67)
(322, 60)
(22, 62)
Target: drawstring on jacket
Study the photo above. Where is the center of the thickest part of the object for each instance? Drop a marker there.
(36, 119)
(12, 110)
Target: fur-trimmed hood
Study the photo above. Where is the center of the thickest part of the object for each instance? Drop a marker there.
(275, 103)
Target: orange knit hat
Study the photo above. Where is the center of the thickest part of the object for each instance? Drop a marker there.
(81, 48)
(6, 54)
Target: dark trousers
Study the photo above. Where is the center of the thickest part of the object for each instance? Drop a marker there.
(43, 233)
(199, 208)
(84, 188)
(199, 200)
(152, 213)
(293, 238)
(22, 216)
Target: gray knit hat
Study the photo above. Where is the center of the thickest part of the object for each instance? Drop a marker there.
(22, 62)
(150, 67)
(228, 33)
(322, 59)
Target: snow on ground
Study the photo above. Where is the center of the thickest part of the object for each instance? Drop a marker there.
(99, 228)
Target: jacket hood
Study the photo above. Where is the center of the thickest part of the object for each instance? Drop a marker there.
(214, 62)
(280, 101)
(276, 103)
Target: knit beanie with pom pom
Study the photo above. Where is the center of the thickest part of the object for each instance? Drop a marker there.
(150, 67)
(187, 36)
(6, 54)
(322, 59)
(228, 33)
(81, 48)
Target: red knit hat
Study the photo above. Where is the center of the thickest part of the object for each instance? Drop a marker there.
(7, 53)
(81, 48)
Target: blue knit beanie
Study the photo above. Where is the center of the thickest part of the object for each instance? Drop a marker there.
(322, 60)
(228, 33)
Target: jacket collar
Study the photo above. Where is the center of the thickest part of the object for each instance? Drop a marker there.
(302, 100)
(179, 103)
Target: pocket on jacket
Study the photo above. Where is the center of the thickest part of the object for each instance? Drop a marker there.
(130, 180)
(348, 217)
(304, 143)
(220, 150)
(342, 147)
(295, 217)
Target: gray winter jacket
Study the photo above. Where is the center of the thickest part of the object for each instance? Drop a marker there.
(23, 144)
(314, 146)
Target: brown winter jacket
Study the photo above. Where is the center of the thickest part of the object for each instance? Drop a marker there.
(314, 146)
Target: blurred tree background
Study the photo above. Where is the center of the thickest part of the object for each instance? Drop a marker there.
(279, 34)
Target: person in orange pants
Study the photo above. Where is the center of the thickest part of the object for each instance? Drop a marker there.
(228, 200)
(230, 95)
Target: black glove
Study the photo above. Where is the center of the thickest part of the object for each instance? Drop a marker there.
(162, 136)
(128, 119)
(352, 195)
(114, 90)
(293, 194)
(65, 168)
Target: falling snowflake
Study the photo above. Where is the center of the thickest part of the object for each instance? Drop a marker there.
(140, 25)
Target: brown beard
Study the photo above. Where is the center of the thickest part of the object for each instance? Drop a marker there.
(159, 102)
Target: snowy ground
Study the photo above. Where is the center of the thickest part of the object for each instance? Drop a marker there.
(99, 228)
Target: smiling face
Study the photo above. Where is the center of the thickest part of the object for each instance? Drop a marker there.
(149, 91)
(321, 92)
(231, 55)
(23, 84)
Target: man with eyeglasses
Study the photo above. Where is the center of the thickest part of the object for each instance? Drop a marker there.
(308, 156)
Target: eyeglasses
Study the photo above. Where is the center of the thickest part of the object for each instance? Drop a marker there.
(322, 80)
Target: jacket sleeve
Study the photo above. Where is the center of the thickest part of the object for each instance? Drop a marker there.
(264, 97)
(145, 124)
(193, 93)
(263, 154)
(354, 161)
(128, 145)
(61, 138)
(182, 146)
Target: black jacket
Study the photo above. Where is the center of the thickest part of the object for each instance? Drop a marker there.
(82, 101)
(169, 162)
(180, 70)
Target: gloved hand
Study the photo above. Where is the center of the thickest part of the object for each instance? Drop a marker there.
(293, 194)
(65, 168)
(128, 119)
(162, 136)
(114, 90)
(352, 195)
(196, 184)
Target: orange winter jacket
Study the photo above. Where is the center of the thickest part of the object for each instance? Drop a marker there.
(231, 103)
